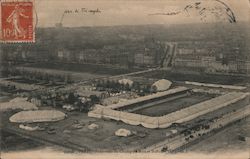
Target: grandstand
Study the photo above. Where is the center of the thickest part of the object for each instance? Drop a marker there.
(180, 116)
(149, 98)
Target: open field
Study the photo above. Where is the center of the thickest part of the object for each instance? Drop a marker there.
(197, 77)
(173, 105)
(13, 142)
(84, 139)
(75, 76)
(90, 68)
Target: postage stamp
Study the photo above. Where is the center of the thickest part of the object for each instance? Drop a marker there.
(17, 21)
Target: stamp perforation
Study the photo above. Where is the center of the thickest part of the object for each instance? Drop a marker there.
(17, 21)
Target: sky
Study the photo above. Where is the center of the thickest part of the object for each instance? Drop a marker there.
(135, 12)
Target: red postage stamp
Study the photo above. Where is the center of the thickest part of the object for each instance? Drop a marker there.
(17, 21)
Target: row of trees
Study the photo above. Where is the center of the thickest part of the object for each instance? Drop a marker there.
(60, 98)
(114, 86)
(38, 75)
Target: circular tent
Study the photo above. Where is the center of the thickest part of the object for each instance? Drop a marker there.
(17, 103)
(162, 85)
(37, 116)
(126, 81)
(123, 132)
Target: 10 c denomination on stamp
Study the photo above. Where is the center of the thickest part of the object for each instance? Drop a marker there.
(17, 21)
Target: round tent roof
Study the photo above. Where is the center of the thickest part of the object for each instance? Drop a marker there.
(123, 132)
(162, 85)
(17, 103)
(37, 116)
(126, 81)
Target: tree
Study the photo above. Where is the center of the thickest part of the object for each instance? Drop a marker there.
(127, 87)
(136, 86)
(153, 89)
(67, 78)
(71, 98)
(94, 99)
(108, 84)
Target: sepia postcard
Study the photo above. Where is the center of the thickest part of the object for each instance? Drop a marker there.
(141, 79)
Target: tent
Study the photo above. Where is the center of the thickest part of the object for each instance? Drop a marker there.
(126, 81)
(37, 116)
(162, 85)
